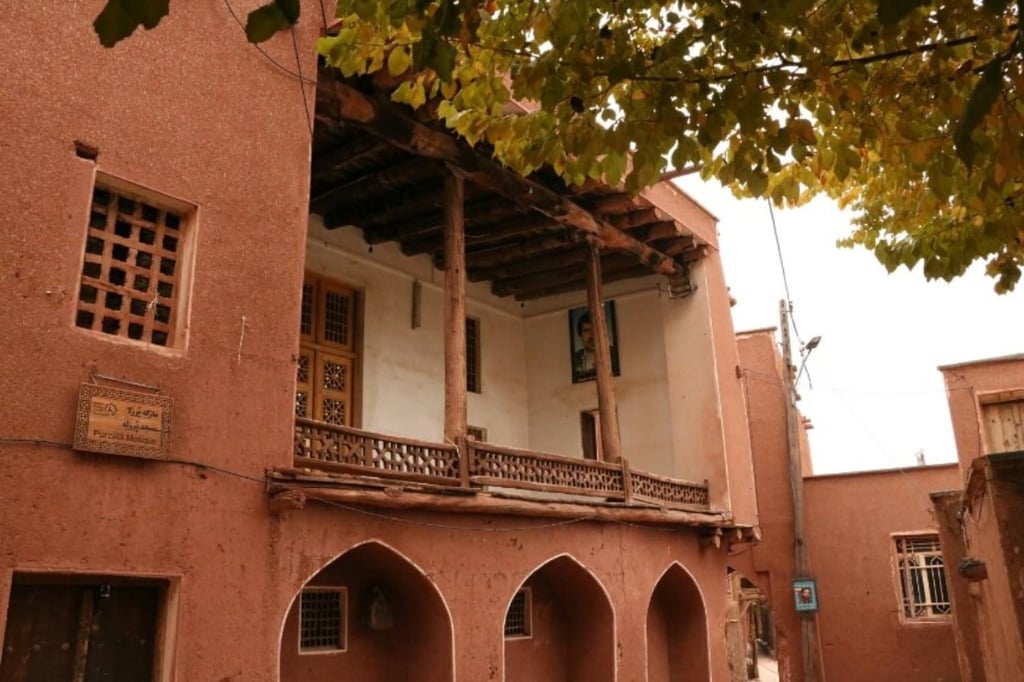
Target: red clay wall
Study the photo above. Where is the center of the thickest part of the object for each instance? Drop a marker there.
(192, 111)
(770, 563)
(964, 384)
(850, 519)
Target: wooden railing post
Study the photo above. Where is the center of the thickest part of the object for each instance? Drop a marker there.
(627, 482)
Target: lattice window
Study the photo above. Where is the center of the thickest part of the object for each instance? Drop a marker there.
(924, 593)
(327, 359)
(473, 379)
(306, 315)
(518, 619)
(132, 267)
(322, 619)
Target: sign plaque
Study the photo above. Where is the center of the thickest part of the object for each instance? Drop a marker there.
(121, 422)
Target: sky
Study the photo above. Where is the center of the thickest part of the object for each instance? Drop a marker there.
(871, 388)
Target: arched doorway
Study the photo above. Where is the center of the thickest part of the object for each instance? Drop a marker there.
(677, 633)
(369, 615)
(560, 627)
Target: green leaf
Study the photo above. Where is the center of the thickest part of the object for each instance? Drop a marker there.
(444, 60)
(263, 22)
(290, 9)
(119, 18)
(892, 11)
(982, 98)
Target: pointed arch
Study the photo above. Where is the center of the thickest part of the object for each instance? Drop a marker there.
(572, 627)
(395, 623)
(677, 631)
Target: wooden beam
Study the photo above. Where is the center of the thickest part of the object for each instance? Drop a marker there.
(570, 255)
(611, 445)
(483, 237)
(356, 192)
(629, 221)
(356, 152)
(502, 504)
(455, 319)
(613, 204)
(400, 129)
(580, 284)
(569, 270)
(414, 204)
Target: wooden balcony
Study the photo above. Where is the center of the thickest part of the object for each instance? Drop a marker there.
(359, 455)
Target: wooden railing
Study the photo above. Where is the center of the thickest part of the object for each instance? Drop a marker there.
(340, 448)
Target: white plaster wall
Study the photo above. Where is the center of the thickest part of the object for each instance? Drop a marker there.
(667, 393)
(640, 390)
(693, 392)
(402, 368)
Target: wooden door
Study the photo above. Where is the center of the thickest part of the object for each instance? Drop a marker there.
(80, 633)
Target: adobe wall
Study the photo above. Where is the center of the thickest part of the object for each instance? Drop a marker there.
(192, 111)
(477, 562)
(769, 564)
(965, 383)
(850, 522)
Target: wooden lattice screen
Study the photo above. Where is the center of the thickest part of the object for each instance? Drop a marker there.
(131, 269)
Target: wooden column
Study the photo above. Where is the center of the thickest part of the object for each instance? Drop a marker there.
(455, 319)
(610, 443)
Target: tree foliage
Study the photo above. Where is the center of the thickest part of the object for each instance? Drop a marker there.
(908, 110)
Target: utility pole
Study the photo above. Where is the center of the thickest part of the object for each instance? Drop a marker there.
(802, 568)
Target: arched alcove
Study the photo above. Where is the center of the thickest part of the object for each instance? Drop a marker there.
(392, 623)
(571, 627)
(677, 632)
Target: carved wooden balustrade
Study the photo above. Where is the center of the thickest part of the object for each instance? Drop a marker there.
(340, 448)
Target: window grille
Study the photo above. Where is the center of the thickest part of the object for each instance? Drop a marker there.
(518, 618)
(472, 355)
(922, 578)
(322, 619)
(131, 268)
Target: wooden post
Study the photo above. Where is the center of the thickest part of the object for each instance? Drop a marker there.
(610, 443)
(802, 564)
(455, 320)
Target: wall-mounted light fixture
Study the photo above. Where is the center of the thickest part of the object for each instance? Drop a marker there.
(379, 615)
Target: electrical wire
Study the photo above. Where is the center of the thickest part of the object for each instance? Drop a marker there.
(266, 54)
(785, 278)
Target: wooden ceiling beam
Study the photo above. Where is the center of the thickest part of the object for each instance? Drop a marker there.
(570, 272)
(397, 127)
(571, 254)
(426, 198)
(427, 227)
(352, 153)
(357, 192)
(580, 284)
(634, 219)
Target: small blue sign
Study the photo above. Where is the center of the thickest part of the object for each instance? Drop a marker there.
(805, 595)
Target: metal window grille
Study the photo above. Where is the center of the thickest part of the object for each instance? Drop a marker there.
(131, 268)
(922, 577)
(322, 619)
(472, 355)
(517, 620)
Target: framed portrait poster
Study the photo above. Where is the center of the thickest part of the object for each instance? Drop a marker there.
(805, 594)
(581, 342)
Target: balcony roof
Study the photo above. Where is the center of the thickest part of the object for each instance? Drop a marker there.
(378, 167)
